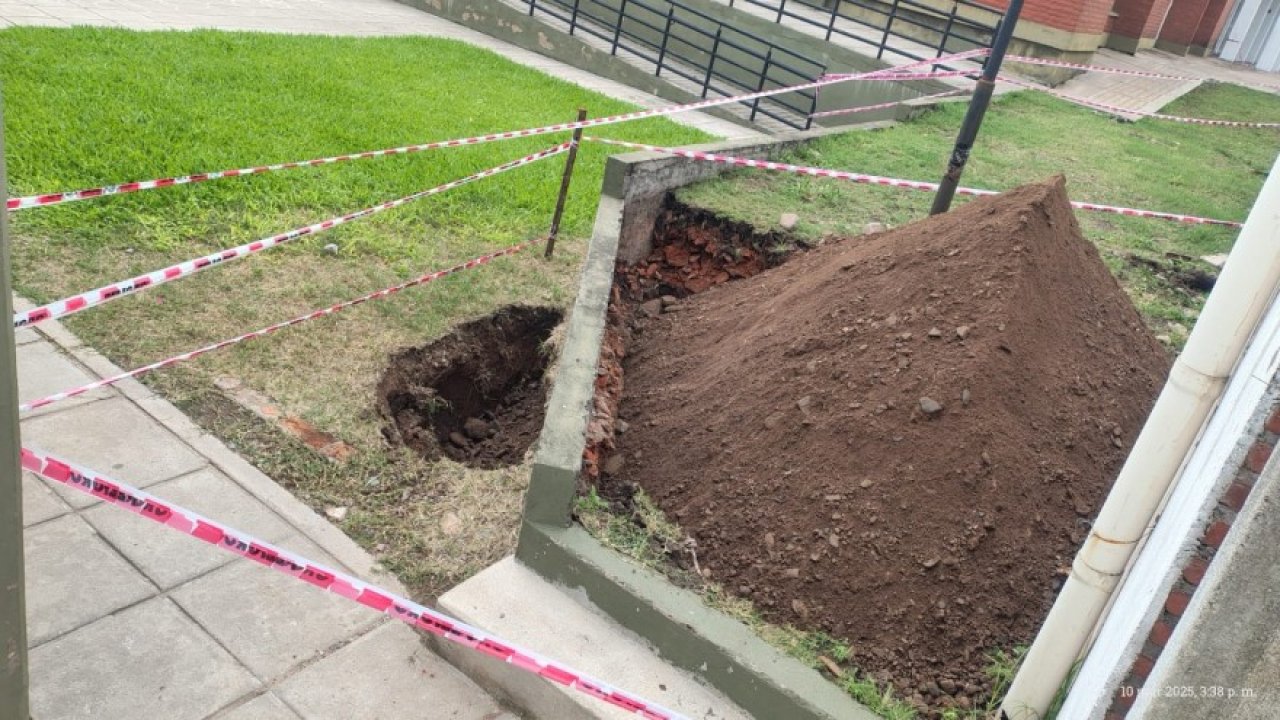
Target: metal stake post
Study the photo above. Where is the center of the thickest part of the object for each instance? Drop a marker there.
(564, 184)
(977, 110)
(13, 605)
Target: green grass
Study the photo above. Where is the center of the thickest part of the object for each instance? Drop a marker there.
(89, 106)
(1026, 137)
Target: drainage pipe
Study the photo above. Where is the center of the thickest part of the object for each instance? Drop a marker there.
(1244, 290)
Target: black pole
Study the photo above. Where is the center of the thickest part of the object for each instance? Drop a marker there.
(977, 110)
(564, 184)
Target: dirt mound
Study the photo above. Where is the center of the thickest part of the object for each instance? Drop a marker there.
(901, 438)
(475, 395)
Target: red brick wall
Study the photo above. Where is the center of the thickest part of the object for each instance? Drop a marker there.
(1219, 524)
(1183, 21)
(1079, 16)
(1139, 18)
(1215, 17)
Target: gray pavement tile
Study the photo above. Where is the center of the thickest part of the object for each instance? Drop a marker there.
(112, 437)
(386, 674)
(272, 622)
(74, 578)
(43, 371)
(22, 336)
(264, 707)
(39, 503)
(150, 661)
(170, 558)
(37, 21)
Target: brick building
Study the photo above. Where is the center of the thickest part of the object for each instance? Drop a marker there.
(1079, 27)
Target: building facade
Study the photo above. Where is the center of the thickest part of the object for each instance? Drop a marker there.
(1079, 27)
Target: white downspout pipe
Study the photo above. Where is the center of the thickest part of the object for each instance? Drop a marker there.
(1243, 291)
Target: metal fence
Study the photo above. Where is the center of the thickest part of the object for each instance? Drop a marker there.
(687, 43)
(877, 23)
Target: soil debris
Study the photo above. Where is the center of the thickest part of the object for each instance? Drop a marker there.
(943, 553)
(475, 395)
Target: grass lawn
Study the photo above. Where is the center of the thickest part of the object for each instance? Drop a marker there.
(90, 106)
(1028, 136)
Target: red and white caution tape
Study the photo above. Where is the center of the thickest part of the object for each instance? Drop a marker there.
(58, 198)
(895, 182)
(882, 106)
(901, 69)
(1131, 113)
(121, 495)
(91, 298)
(1093, 68)
(323, 312)
(888, 76)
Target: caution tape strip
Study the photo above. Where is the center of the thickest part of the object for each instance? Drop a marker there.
(76, 303)
(895, 182)
(323, 312)
(121, 495)
(57, 198)
(889, 76)
(1129, 112)
(1093, 68)
(902, 69)
(882, 106)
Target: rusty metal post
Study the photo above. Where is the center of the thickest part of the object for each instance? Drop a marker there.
(564, 184)
(14, 702)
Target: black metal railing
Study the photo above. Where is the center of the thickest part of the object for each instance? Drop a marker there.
(877, 24)
(685, 42)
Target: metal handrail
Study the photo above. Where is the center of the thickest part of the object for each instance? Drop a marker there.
(948, 26)
(727, 69)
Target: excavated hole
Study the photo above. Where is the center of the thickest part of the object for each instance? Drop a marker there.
(476, 395)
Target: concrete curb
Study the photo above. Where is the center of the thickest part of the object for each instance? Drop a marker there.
(710, 644)
(305, 520)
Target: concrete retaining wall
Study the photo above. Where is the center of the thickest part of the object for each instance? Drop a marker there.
(685, 632)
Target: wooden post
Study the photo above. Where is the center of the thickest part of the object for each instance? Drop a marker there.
(564, 184)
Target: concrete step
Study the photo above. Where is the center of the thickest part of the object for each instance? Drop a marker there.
(517, 605)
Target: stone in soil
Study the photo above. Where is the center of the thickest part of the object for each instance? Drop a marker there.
(976, 504)
(476, 395)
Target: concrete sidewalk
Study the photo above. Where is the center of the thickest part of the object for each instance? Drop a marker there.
(1146, 94)
(325, 17)
(128, 619)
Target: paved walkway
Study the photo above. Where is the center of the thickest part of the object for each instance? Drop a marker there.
(1151, 94)
(324, 17)
(130, 620)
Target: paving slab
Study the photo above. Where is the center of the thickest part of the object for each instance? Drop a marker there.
(148, 662)
(170, 558)
(264, 707)
(521, 607)
(111, 436)
(44, 370)
(74, 577)
(39, 503)
(280, 623)
(395, 656)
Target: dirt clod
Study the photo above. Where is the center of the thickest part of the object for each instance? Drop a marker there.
(475, 395)
(713, 392)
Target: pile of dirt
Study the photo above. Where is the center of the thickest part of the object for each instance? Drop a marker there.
(475, 395)
(899, 439)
